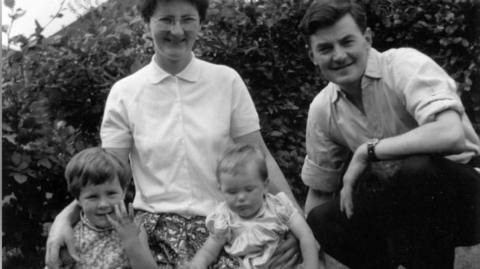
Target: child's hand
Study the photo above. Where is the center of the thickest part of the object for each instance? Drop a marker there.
(346, 200)
(123, 222)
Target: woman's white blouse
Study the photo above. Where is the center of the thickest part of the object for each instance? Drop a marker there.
(177, 127)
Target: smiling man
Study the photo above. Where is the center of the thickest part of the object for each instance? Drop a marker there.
(390, 151)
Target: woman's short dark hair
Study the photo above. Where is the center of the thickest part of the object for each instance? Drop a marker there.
(147, 7)
(94, 166)
(324, 13)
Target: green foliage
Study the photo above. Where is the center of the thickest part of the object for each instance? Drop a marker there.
(54, 89)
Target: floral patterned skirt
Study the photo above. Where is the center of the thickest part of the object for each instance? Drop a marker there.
(174, 239)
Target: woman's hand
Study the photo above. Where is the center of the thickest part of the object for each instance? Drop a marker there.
(124, 223)
(60, 236)
(287, 254)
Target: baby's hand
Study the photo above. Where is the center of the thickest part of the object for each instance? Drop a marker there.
(346, 200)
(123, 222)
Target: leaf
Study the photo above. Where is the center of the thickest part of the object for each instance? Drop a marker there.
(7, 199)
(9, 3)
(10, 138)
(20, 178)
(45, 163)
(23, 165)
(38, 28)
(5, 28)
(276, 134)
(16, 158)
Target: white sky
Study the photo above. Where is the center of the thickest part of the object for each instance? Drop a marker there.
(42, 10)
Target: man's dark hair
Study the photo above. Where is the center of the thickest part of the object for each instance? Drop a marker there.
(324, 13)
(147, 7)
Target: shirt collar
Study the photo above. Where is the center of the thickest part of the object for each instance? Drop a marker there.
(373, 71)
(374, 68)
(190, 73)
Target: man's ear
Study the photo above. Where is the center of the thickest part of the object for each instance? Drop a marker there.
(368, 34)
(309, 53)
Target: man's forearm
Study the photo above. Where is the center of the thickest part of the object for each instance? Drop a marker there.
(443, 136)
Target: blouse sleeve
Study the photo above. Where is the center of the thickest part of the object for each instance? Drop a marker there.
(217, 223)
(115, 129)
(244, 117)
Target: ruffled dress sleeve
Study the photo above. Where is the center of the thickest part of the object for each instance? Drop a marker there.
(283, 207)
(218, 223)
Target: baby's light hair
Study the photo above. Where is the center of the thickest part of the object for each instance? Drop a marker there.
(94, 166)
(236, 158)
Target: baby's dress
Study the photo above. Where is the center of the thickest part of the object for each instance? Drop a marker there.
(98, 248)
(255, 239)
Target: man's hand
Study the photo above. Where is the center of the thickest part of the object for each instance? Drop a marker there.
(60, 235)
(346, 200)
(356, 167)
(287, 254)
(124, 223)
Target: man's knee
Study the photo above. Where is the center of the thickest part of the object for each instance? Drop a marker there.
(325, 220)
(418, 165)
(318, 217)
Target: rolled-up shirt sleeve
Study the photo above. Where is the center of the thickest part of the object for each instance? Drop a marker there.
(427, 88)
(115, 129)
(325, 161)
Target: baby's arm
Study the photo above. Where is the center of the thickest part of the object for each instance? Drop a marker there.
(134, 238)
(308, 245)
(208, 253)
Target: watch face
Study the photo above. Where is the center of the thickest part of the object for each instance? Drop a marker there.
(371, 149)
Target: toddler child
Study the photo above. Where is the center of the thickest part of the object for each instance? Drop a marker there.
(250, 223)
(106, 235)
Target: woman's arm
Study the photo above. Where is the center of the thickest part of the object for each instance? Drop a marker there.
(207, 254)
(121, 153)
(308, 245)
(61, 234)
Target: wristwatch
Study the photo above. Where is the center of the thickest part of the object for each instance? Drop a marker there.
(371, 149)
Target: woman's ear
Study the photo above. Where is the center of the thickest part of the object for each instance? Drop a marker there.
(266, 182)
(147, 30)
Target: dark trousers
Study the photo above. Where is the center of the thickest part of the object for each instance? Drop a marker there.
(414, 216)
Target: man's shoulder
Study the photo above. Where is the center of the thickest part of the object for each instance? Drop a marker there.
(324, 99)
(395, 56)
